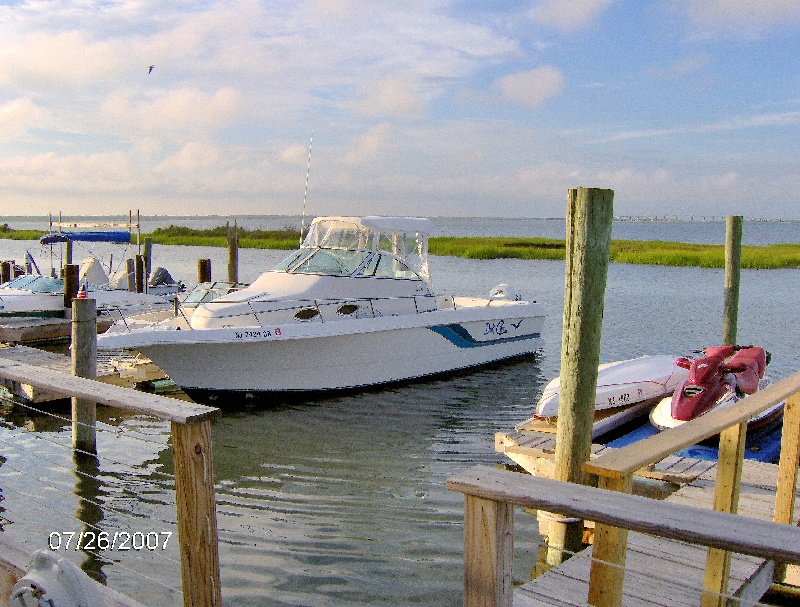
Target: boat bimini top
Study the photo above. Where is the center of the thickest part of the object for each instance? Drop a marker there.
(382, 247)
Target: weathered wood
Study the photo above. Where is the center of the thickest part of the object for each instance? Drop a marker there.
(6, 272)
(148, 259)
(130, 270)
(70, 284)
(84, 364)
(197, 518)
(609, 553)
(488, 552)
(589, 221)
(630, 458)
(733, 264)
(726, 499)
(233, 254)
(140, 274)
(761, 538)
(203, 270)
(787, 469)
(114, 396)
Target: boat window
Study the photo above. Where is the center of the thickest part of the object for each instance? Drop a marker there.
(42, 284)
(386, 266)
(337, 234)
(286, 264)
(336, 262)
(21, 282)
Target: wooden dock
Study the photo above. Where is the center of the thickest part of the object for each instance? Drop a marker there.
(108, 372)
(42, 330)
(729, 529)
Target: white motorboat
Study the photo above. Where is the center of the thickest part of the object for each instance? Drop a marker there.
(626, 389)
(37, 295)
(352, 307)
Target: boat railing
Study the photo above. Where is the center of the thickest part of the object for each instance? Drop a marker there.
(615, 471)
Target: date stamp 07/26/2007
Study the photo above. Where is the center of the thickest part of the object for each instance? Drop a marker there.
(105, 540)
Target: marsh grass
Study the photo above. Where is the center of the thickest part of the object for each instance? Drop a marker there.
(656, 252)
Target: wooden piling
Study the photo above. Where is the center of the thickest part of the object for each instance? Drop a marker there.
(6, 271)
(203, 270)
(84, 364)
(733, 264)
(148, 259)
(233, 255)
(71, 273)
(197, 518)
(130, 271)
(140, 279)
(588, 243)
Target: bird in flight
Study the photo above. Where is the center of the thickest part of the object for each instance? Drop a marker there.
(150, 71)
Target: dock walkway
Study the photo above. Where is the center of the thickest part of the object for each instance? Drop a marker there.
(660, 572)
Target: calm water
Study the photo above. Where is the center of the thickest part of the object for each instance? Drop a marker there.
(341, 502)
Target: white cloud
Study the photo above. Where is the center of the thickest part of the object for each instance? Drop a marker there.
(745, 17)
(532, 88)
(390, 97)
(194, 157)
(568, 15)
(369, 145)
(18, 116)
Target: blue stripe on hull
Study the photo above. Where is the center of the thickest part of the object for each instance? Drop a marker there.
(460, 337)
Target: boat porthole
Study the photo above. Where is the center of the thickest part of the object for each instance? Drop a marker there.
(306, 313)
(347, 309)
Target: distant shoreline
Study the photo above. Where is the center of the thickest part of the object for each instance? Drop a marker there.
(774, 256)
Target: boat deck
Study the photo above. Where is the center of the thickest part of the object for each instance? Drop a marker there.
(660, 572)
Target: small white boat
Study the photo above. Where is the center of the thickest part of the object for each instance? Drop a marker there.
(626, 389)
(353, 307)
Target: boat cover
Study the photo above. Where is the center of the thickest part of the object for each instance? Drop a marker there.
(118, 236)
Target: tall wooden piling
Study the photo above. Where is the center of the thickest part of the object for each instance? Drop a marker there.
(71, 273)
(588, 243)
(233, 254)
(84, 364)
(203, 270)
(197, 518)
(6, 271)
(140, 277)
(130, 272)
(733, 264)
(148, 259)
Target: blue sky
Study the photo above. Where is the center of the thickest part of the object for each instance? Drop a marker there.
(437, 108)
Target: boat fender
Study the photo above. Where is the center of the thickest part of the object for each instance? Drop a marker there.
(55, 581)
(505, 291)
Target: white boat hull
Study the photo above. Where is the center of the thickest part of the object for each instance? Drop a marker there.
(346, 354)
(626, 389)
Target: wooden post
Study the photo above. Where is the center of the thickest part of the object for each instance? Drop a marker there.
(70, 284)
(233, 255)
(787, 470)
(733, 263)
(148, 260)
(5, 271)
(197, 516)
(139, 262)
(609, 552)
(84, 364)
(726, 499)
(131, 274)
(203, 270)
(68, 252)
(488, 552)
(589, 221)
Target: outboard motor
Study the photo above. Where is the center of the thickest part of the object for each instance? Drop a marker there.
(505, 291)
(54, 581)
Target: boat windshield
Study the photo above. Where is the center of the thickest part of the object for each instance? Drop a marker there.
(208, 291)
(339, 247)
(37, 284)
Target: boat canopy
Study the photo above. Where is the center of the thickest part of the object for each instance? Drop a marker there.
(117, 236)
(370, 246)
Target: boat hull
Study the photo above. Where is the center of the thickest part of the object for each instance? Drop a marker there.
(342, 355)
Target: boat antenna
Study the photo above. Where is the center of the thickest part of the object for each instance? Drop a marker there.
(305, 193)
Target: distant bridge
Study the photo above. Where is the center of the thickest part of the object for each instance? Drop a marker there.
(696, 218)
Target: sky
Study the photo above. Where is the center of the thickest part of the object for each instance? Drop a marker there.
(455, 108)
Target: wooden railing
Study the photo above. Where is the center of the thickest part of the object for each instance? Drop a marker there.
(615, 472)
(192, 453)
(491, 494)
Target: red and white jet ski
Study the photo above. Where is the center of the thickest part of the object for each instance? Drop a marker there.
(720, 378)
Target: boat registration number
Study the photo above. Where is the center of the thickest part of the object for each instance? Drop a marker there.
(258, 334)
